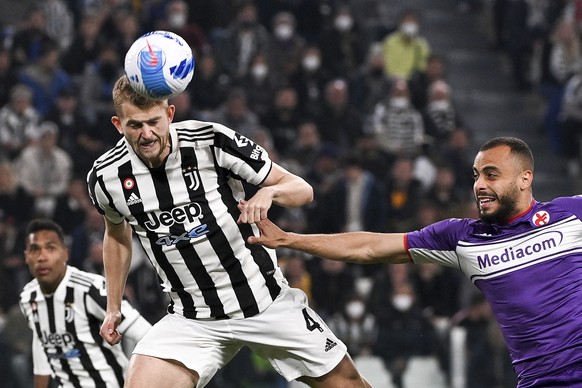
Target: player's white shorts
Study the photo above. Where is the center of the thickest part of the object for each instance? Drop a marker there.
(288, 333)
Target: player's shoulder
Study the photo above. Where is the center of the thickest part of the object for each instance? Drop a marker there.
(85, 280)
(113, 157)
(29, 288)
(570, 204)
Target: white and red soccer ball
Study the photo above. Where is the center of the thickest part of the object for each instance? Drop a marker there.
(159, 65)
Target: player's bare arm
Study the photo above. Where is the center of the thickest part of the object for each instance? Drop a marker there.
(357, 247)
(280, 187)
(116, 261)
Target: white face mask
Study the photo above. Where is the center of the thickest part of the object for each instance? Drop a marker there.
(399, 102)
(402, 302)
(259, 71)
(283, 31)
(439, 105)
(177, 20)
(355, 310)
(409, 29)
(311, 62)
(343, 23)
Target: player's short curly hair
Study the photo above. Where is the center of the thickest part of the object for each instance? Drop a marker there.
(123, 92)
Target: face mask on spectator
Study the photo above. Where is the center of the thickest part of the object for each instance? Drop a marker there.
(402, 302)
(343, 23)
(439, 105)
(177, 20)
(399, 102)
(409, 29)
(259, 71)
(311, 62)
(283, 31)
(355, 309)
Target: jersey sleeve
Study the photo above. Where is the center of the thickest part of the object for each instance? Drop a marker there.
(436, 243)
(245, 158)
(100, 198)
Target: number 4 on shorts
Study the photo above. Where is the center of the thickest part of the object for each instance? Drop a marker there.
(310, 322)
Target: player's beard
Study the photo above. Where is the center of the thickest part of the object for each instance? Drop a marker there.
(507, 205)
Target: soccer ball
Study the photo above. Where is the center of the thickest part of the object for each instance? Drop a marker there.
(159, 65)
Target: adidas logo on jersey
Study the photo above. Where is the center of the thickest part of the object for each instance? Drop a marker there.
(329, 344)
(133, 199)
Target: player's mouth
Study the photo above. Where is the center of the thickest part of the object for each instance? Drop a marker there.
(485, 202)
(42, 271)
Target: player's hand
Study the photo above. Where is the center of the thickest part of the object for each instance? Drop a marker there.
(271, 235)
(109, 328)
(256, 208)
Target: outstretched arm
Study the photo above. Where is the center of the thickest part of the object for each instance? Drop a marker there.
(116, 261)
(358, 247)
(281, 188)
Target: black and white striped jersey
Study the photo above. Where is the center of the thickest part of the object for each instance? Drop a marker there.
(185, 214)
(66, 342)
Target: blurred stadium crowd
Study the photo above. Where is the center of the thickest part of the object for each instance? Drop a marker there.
(347, 94)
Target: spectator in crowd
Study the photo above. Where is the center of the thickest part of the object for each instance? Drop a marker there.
(30, 38)
(403, 332)
(44, 170)
(403, 195)
(59, 22)
(45, 77)
(397, 125)
(8, 75)
(235, 113)
(440, 116)
(72, 206)
(343, 44)
(355, 326)
(260, 85)
(210, 87)
(13, 274)
(332, 284)
(177, 20)
(82, 234)
(243, 39)
(283, 118)
(16, 203)
(487, 363)
(355, 202)
(339, 123)
(84, 48)
(571, 123)
(445, 193)
(562, 58)
(421, 80)
(370, 84)
(294, 268)
(306, 145)
(19, 122)
(310, 79)
(405, 50)
(287, 46)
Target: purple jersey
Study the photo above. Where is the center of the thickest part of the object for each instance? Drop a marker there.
(530, 271)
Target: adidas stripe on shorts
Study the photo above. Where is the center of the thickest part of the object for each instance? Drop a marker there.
(289, 334)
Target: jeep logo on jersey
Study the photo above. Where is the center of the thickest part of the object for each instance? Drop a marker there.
(179, 215)
(57, 339)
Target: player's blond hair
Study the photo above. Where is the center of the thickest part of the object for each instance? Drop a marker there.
(123, 92)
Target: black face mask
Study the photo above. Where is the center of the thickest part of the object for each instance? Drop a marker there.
(247, 24)
(376, 72)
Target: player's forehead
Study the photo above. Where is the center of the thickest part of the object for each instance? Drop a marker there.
(497, 157)
(43, 237)
(131, 112)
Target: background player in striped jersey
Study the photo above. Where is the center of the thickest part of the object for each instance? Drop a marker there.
(64, 308)
(524, 255)
(179, 187)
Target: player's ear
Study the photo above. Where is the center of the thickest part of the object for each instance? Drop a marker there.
(116, 121)
(526, 179)
(171, 110)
